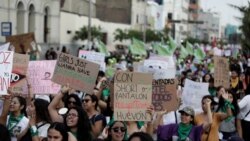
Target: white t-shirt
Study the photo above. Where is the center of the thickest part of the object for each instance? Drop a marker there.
(20, 127)
(244, 105)
(42, 129)
(170, 117)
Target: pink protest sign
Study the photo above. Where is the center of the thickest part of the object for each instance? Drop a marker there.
(6, 62)
(18, 75)
(40, 74)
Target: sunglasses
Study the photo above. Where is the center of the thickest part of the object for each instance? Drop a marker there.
(73, 102)
(116, 129)
(85, 100)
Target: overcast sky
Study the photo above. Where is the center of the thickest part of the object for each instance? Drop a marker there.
(227, 13)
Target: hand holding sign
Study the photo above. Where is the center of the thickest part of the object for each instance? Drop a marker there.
(65, 89)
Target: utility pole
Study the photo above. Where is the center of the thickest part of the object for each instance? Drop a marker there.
(173, 17)
(89, 25)
(145, 23)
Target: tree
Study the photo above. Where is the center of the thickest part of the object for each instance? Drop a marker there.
(151, 35)
(82, 34)
(245, 28)
(120, 35)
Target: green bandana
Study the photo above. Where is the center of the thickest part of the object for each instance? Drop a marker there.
(224, 109)
(12, 123)
(184, 130)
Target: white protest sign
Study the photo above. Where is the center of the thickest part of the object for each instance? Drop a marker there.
(193, 92)
(6, 63)
(95, 57)
(4, 47)
(160, 67)
(227, 52)
(217, 51)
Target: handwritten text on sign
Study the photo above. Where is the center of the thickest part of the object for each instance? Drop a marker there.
(193, 93)
(95, 57)
(40, 74)
(132, 96)
(6, 62)
(80, 74)
(221, 72)
(165, 95)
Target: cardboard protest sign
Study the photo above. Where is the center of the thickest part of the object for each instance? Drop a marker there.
(22, 42)
(19, 71)
(6, 63)
(165, 94)
(221, 72)
(193, 92)
(4, 47)
(95, 57)
(40, 74)
(132, 96)
(79, 73)
(1, 106)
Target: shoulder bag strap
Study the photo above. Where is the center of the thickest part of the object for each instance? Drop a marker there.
(246, 114)
(175, 114)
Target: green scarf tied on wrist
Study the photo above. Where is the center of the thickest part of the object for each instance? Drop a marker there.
(184, 130)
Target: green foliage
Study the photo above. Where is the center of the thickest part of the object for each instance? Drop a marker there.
(151, 35)
(82, 34)
(194, 40)
(245, 27)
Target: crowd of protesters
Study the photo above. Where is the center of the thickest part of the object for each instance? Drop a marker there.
(77, 116)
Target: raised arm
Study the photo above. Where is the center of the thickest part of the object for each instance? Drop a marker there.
(30, 92)
(227, 105)
(159, 119)
(55, 117)
(149, 127)
(208, 123)
(6, 106)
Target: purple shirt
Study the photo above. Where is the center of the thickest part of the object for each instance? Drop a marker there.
(166, 132)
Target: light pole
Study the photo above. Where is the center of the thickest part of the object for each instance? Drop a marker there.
(145, 23)
(89, 25)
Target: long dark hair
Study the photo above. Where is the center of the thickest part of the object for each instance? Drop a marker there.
(77, 99)
(42, 112)
(234, 102)
(218, 89)
(109, 138)
(213, 103)
(141, 135)
(60, 127)
(83, 125)
(4, 134)
(93, 99)
(204, 77)
(22, 102)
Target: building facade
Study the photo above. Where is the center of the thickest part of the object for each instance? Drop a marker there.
(211, 27)
(71, 21)
(39, 16)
